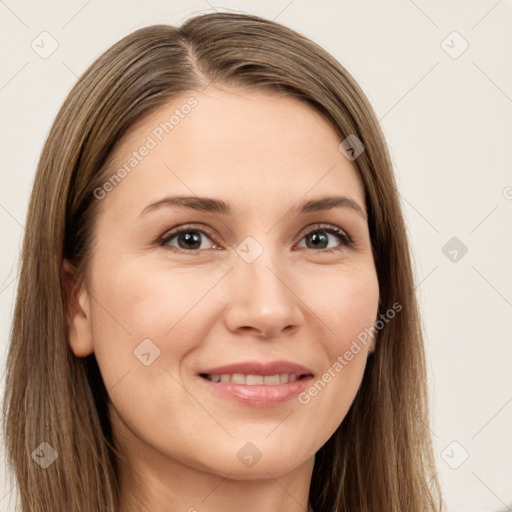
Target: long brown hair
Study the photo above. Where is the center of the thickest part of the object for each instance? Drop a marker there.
(380, 457)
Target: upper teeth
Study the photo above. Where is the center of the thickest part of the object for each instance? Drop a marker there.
(241, 378)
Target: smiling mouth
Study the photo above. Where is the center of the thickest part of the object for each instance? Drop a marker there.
(253, 379)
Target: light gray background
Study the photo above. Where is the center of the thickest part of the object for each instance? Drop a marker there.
(448, 121)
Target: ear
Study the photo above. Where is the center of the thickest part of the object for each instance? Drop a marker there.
(372, 341)
(78, 312)
(371, 346)
(375, 338)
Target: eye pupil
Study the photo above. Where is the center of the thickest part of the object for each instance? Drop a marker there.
(190, 239)
(315, 238)
(195, 238)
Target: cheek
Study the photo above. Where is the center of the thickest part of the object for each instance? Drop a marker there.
(347, 304)
(148, 299)
(145, 314)
(136, 301)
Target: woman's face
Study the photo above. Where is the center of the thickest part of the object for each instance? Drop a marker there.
(267, 282)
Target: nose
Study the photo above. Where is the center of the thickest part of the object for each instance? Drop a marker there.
(262, 299)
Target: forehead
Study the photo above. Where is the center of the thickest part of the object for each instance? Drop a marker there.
(257, 145)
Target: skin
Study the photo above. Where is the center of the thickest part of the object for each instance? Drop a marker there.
(263, 153)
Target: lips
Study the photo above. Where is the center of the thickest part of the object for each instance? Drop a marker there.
(257, 368)
(243, 382)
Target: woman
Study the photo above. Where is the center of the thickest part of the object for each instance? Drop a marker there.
(256, 367)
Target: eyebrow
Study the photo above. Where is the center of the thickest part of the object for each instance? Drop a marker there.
(210, 205)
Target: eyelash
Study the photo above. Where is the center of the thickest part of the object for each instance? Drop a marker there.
(328, 228)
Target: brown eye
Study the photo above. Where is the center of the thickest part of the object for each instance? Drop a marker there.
(187, 238)
(318, 238)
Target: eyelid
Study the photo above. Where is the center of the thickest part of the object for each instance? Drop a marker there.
(206, 230)
(330, 228)
(201, 228)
